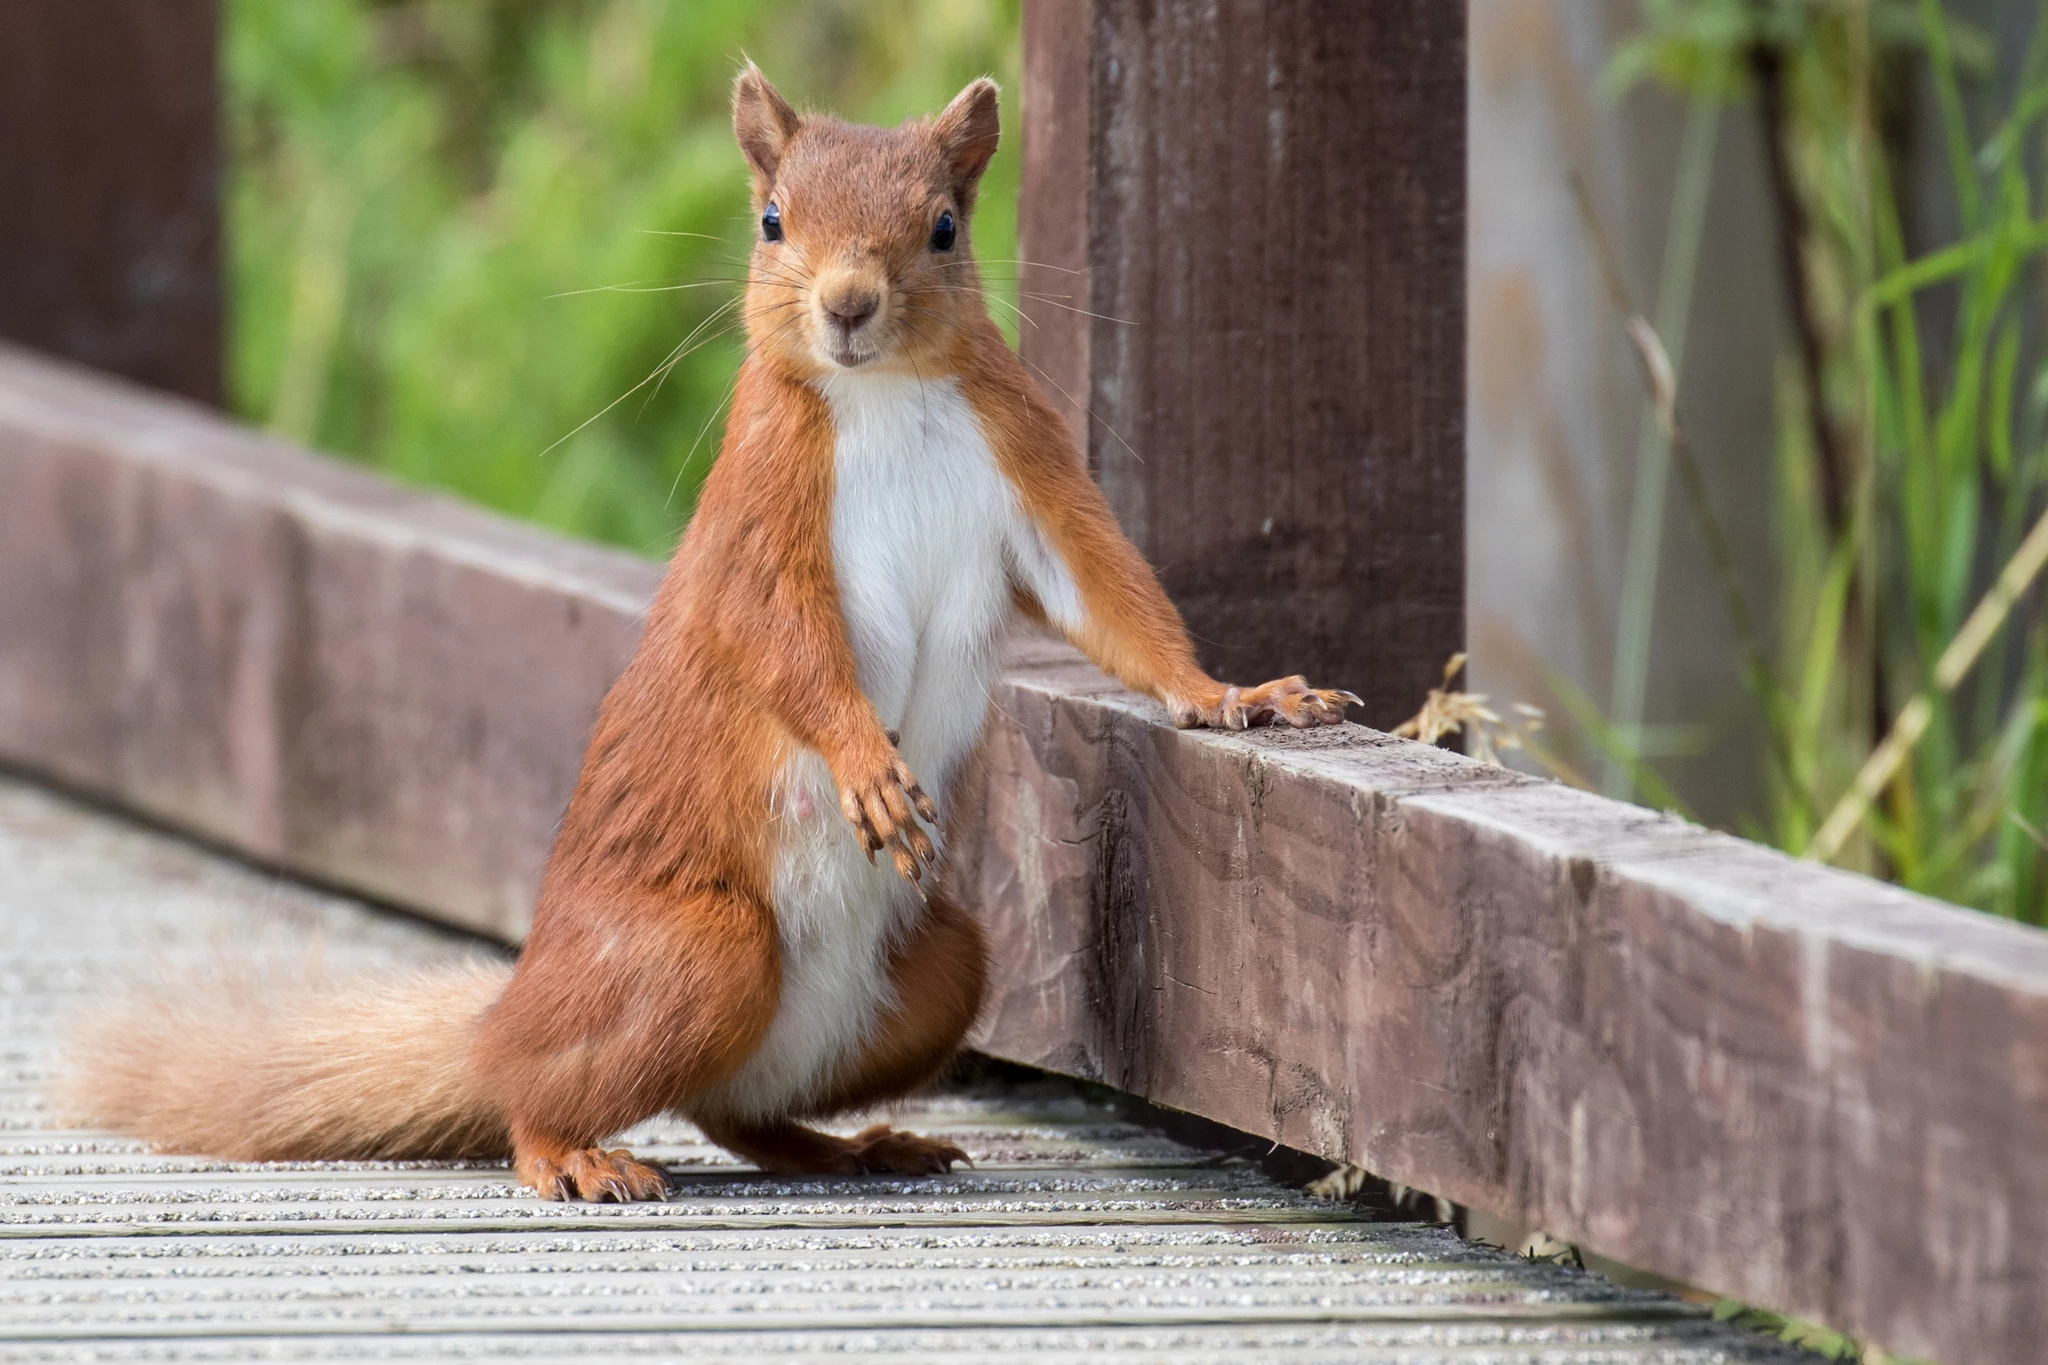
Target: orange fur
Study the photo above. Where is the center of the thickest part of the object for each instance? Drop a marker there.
(253, 1065)
(655, 968)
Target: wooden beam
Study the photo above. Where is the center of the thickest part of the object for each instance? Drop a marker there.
(110, 177)
(1772, 1079)
(1785, 1083)
(372, 686)
(1246, 223)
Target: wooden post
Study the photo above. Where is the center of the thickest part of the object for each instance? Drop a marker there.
(1246, 229)
(109, 187)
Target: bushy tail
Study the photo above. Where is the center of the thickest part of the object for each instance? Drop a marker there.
(269, 1069)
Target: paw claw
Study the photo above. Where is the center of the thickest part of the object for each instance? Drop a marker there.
(594, 1174)
(548, 1180)
(884, 810)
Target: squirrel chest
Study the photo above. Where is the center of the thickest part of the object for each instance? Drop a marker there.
(928, 537)
(925, 533)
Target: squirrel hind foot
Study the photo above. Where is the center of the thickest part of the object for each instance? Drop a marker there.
(883, 1150)
(591, 1173)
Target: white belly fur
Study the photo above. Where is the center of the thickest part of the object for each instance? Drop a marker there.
(927, 537)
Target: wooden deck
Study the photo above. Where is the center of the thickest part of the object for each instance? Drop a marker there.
(1077, 1234)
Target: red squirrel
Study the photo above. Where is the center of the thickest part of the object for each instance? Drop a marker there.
(714, 936)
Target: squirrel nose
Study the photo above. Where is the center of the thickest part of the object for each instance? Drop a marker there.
(852, 308)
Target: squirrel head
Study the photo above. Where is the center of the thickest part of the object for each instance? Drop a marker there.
(862, 248)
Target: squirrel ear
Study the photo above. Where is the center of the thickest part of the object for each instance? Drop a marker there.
(968, 131)
(763, 122)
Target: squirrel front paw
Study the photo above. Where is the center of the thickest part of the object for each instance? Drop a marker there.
(1284, 701)
(883, 803)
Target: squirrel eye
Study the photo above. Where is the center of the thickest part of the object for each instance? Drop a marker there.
(771, 224)
(943, 233)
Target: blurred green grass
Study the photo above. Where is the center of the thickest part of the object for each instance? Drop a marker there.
(1912, 439)
(460, 231)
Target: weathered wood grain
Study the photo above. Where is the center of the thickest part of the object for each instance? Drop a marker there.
(110, 182)
(1742, 1071)
(384, 689)
(1055, 290)
(1787, 1083)
(1258, 211)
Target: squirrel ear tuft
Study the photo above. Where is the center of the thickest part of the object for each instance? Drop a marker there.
(763, 122)
(968, 131)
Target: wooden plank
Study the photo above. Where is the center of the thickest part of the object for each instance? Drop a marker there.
(384, 689)
(1746, 1072)
(1787, 1083)
(1259, 209)
(110, 173)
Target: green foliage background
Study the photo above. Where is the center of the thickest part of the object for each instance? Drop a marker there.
(458, 228)
(1926, 409)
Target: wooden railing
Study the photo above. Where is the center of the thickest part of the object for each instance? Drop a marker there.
(1780, 1081)
(1774, 1080)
